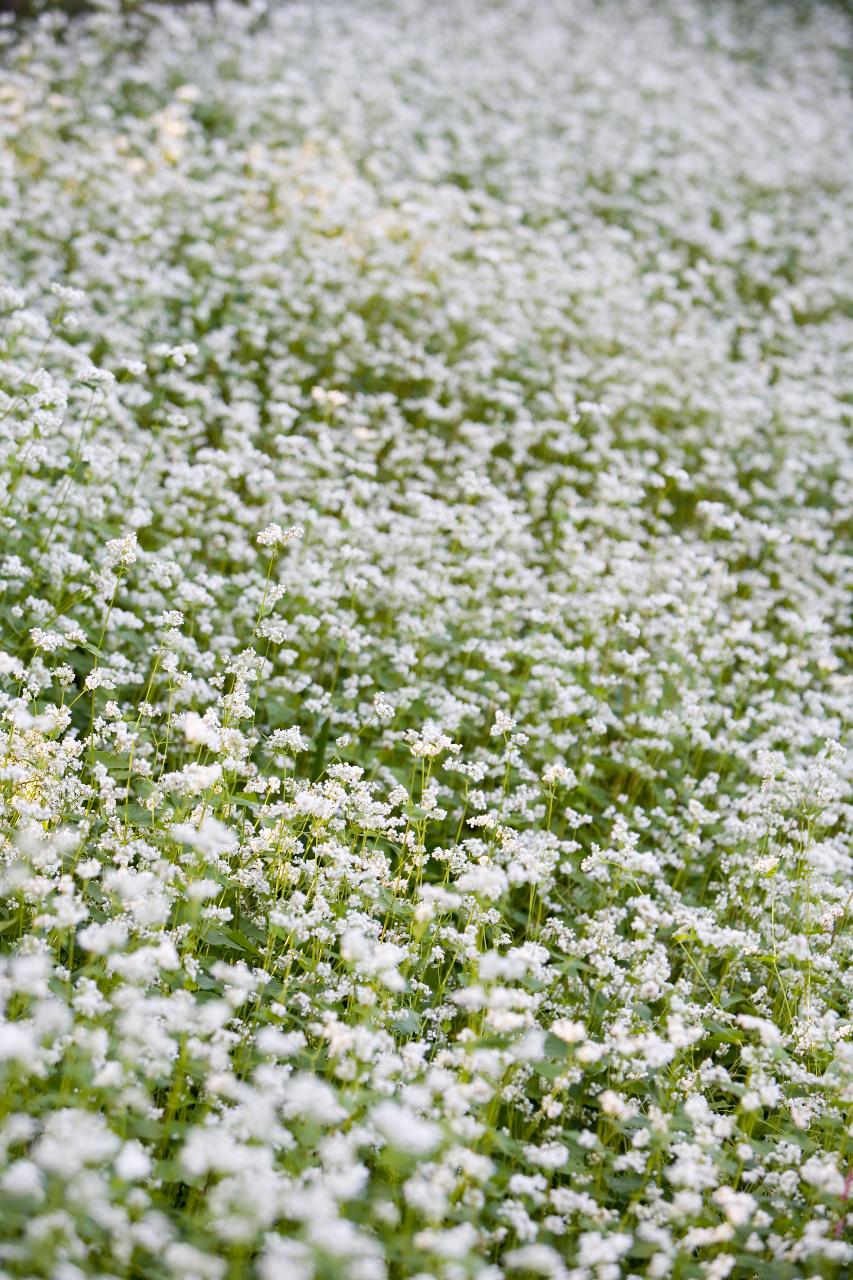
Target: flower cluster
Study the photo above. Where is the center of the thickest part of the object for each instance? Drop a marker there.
(424, 810)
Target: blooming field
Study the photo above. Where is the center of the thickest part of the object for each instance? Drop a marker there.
(423, 474)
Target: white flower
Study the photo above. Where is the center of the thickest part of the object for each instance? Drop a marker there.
(613, 1104)
(821, 1172)
(275, 536)
(430, 742)
(594, 1248)
(11, 666)
(768, 1032)
(202, 730)
(567, 1030)
(210, 836)
(121, 551)
(193, 779)
(133, 1162)
(503, 724)
(401, 1128)
(191, 1263)
(99, 679)
(488, 882)
(23, 1178)
(65, 293)
(738, 1206)
(383, 708)
(540, 1259)
(311, 1099)
(292, 740)
(280, 1044)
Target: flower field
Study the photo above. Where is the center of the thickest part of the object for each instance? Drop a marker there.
(425, 493)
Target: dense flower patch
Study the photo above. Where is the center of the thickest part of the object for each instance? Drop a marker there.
(424, 468)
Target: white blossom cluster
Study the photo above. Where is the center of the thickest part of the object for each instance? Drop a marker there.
(424, 642)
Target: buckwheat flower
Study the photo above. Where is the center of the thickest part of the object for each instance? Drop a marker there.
(502, 724)
(451, 1242)
(12, 299)
(73, 1138)
(383, 708)
(559, 774)
(67, 294)
(11, 666)
(18, 1043)
(189, 1263)
(202, 890)
(47, 641)
(369, 956)
(768, 1032)
(539, 1259)
(309, 1098)
(275, 536)
(595, 1249)
(292, 740)
(530, 1047)
(614, 1105)
(738, 1206)
(23, 1179)
(210, 837)
(95, 377)
(551, 1155)
(121, 551)
(193, 779)
(202, 730)
(652, 586)
(401, 1128)
(568, 1031)
(99, 679)
(821, 1172)
(430, 742)
(186, 350)
(489, 882)
(589, 1052)
(282, 1257)
(132, 1162)
(100, 939)
(329, 399)
(279, 1044)
(272, 632)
